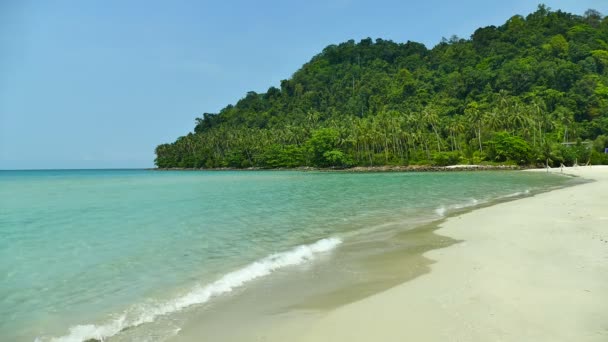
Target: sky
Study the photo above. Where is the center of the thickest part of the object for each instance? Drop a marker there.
(99, 84)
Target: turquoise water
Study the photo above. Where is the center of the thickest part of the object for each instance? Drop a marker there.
(86, 254)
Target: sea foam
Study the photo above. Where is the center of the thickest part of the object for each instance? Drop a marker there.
(441, 211)
(517, 194)
(444, 209)
(199, 294)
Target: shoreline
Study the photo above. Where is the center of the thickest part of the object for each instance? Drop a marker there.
(335, 289)
(364, 169)
(533, 269)
(294, 323)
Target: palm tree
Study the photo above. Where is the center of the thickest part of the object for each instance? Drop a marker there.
(519, 118)
(429, 117)
(565, 117)
(494, 120)
(539, 117)
(475, 118)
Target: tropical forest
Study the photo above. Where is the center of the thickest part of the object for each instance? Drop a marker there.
(531, 92)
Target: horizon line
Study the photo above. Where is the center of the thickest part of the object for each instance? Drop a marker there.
(82, 169)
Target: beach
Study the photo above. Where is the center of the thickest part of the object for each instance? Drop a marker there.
(284, 256)
(533, 269)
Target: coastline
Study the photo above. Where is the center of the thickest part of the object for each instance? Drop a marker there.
(362, 169)
(378, 251)
(533, 269)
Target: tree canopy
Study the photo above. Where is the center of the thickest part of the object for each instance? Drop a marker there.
(513, 93)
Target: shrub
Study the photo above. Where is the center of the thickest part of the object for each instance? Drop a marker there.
(504, 147)
(598, 158)
(337, 158)
(446, 158)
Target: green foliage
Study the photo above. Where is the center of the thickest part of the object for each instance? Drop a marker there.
(600, 144)
(322, 147)
(571, 154)
(446, 158)
(336, 158)
(597, 158)
(512, 93)
(504, 147)
(281, 156)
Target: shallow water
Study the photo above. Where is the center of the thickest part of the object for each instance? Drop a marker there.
(93, 254)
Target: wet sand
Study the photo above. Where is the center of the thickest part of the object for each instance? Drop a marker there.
(361, 267)
(535, 269)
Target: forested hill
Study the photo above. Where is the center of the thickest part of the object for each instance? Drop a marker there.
(513, 93)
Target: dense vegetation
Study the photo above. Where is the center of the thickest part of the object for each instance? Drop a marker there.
(514, 93)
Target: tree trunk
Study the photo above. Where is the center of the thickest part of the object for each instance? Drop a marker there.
(479, 137)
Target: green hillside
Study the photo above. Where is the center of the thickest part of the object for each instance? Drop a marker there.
(513, 93)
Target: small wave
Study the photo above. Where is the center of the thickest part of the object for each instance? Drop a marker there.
(444, 209)
(517, 194)
(441, 211)
(200, 294)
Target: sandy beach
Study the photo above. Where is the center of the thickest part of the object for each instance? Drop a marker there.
(534, 269)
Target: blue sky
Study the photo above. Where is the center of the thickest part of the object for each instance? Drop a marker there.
(98, 84)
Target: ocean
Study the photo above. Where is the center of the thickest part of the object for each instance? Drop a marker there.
(104, 254)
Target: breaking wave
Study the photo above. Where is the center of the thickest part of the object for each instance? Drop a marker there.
(200, 294)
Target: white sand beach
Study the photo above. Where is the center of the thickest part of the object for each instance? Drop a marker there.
(534, 269)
